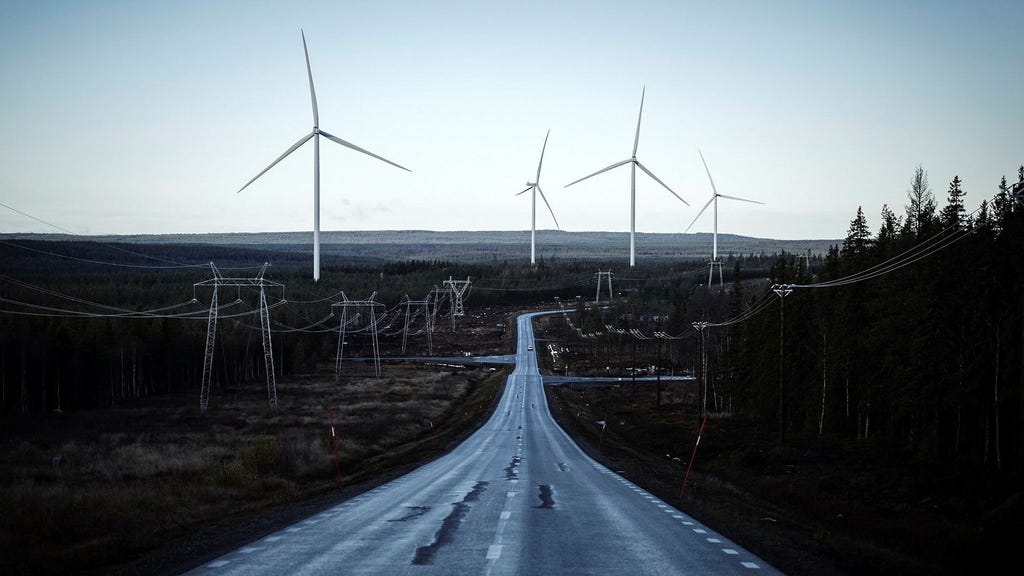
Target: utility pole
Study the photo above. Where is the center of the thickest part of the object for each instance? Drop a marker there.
(657, 368)
(217, 282)
(782, 290)
(702, 383)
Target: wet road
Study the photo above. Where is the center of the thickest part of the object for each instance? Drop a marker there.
(517, 497)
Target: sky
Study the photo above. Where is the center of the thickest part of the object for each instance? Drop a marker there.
(136, 117)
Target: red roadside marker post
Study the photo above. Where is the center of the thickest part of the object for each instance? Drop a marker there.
(692, 456)
(334, 443)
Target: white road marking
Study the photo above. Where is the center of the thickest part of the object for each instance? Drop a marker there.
(494, 551)
(506, 515)
(219, 563)
(729, 551)
(751, 565)
(250, 549)
(714, 540)
(510, 495)
(292, 529)
(700, 531)
(677, 516)
(685, 523)
(271, 538)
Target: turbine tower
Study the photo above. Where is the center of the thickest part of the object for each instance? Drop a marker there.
(714, 200)
(315, 135)
(633, 165)
(535, 186)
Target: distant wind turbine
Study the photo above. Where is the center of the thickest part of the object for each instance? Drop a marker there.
(535, 186)
(714, 199)
(315, 135)
(634, 164)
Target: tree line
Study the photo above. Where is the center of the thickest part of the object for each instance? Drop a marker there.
(928, 356)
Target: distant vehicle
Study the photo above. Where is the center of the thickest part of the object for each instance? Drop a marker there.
(530, 347)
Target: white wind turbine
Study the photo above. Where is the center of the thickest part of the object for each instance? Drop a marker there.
(315, 135)
(634, 163)
(535, 186)
(714, 199)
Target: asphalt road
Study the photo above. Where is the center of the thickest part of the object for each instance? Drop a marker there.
(517, 497)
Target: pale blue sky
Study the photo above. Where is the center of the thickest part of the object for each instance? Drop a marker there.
(146, 117)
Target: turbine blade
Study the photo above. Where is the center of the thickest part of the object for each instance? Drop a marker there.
(651, 174)
(358, 149)
(309, 72)
(545, 199)
(279, 158)
(524, 191)
(537, 179)
(712, 180)
(616, 165)
(740, 199)
(636, 139)
(710, 200)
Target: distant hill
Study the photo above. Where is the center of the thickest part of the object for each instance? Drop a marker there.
(468, 246)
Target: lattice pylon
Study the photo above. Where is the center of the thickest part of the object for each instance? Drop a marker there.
(343, 330)
(211, 329)
(601, 275)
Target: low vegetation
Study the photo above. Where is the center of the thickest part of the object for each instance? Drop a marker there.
(94, 488)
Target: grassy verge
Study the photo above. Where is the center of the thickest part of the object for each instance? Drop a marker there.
(153, 485)
(813, 506)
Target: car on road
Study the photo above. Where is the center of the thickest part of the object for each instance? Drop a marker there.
(530, 347)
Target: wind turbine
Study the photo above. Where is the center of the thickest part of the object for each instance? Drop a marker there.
(535, 186)
(714, 200)
(315, 135)
(633, 165)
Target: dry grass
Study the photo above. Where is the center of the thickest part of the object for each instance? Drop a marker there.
(90, 489)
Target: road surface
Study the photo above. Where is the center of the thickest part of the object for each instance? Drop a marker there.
(517, 497)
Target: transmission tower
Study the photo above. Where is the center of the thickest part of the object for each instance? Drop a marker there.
(408, 318)
(456, 289)
(357, 305)
(716, 263)
(216, 283)
(436, 295)
(600, 275)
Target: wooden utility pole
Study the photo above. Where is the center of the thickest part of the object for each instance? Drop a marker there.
(782, 290)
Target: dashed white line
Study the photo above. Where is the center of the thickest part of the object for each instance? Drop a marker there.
(677, 516)
(506, 515)
(494, 551)
(510, 495)
(271, 538)
(250, 549)
(219, 563)
(700, 531)
(729, 551)
(751, 565)
(713, 540)
(292, 529)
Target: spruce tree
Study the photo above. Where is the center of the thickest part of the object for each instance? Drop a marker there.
(953, 213)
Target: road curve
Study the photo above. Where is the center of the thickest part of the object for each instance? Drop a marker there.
(517, 497)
